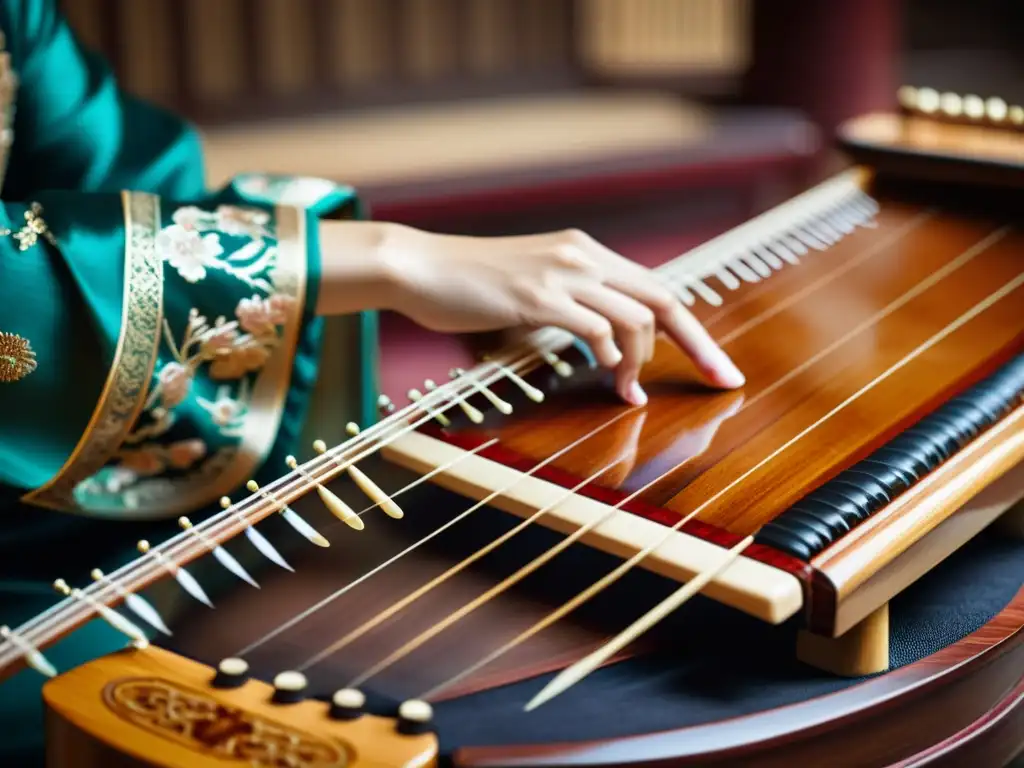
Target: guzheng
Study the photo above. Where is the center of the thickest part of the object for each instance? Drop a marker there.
(823, 567)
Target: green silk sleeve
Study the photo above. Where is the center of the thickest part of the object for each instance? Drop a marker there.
(159, 342)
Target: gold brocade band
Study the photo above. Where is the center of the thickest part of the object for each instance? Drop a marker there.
(233, 467)
(131, 370)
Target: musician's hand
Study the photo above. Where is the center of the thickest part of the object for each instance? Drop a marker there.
(566, 279)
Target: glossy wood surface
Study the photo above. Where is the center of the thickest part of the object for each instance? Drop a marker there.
(841, 353)
(961, 706)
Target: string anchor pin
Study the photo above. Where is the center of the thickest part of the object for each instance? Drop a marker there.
(224, 557)
(472, 413)
(502, 406)
(112, 617)
(416, 396)
(33, 657)
(136, 604)
(290, 516)
(528, 389)
(366, 485)
(561, 367)
(257, 539)
(185, 579)
(335, 505)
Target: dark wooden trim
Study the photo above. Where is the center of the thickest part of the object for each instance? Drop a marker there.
(960, 706)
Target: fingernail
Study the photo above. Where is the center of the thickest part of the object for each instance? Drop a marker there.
(635, 395)
(724, 370)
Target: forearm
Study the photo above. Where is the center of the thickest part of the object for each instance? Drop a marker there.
(354, 272)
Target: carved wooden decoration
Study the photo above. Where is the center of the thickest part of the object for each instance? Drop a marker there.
(204, 724)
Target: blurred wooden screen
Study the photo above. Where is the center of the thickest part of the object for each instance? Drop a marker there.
(240, 59)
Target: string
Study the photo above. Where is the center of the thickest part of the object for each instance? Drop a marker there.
(516, 577)
(852, 193)
(412, 547)
(345, 589)
(529, 568)
(173, 550)
(662, 609)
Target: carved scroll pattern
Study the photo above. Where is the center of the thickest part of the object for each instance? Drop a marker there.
(203, 724)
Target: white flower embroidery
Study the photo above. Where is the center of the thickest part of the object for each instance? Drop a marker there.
(187, 251)
(190, 217)
(226, 412)
(175, 381)
(251, 222)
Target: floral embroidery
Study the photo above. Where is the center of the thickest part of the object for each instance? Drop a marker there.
(227, 412)
(185, 247)
(188, 252)
(230, 351)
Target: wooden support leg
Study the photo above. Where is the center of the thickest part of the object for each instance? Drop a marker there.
(1011, 522)
(863, 650)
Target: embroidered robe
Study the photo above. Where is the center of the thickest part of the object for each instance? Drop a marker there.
(176, 352)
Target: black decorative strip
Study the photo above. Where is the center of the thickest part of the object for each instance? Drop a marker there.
(851, 497)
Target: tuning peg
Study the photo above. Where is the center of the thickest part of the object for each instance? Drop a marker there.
(416, 396)
(33, 657)
(1016, 115)
(185, 579)
(291, 517)
(951, 104)
(974, 106)
(501, 405)
(289, 688)
(384, 405)
(561, 367)
(996, 110)
(928, 100)
(347, 704)
(224, 557)
(231, 673)
(258, 539)
(337, 507)
(112, 617)
(370, 488)
(414, 717)
(472, 413)
(138, 605)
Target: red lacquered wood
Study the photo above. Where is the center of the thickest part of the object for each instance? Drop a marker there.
(963, 705)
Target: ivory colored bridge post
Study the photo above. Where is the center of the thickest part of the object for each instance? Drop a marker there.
(862, 650)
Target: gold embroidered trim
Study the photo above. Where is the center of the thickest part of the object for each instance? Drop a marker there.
(35, 227)
(132, 368)
(229, 468)
(17, 360)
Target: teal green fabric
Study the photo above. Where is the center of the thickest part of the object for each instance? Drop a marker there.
(216, 285)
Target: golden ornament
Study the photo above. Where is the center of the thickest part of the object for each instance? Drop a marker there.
(17, 360)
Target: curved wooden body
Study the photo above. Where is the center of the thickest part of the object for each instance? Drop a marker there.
(845, 348)
(961, 706)
(843, 352)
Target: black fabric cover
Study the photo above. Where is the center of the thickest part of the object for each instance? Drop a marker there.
(828, 513)
(725, 664)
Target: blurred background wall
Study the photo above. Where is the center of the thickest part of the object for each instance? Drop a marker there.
(654, 124)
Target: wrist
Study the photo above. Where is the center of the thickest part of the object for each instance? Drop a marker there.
(356, 271)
